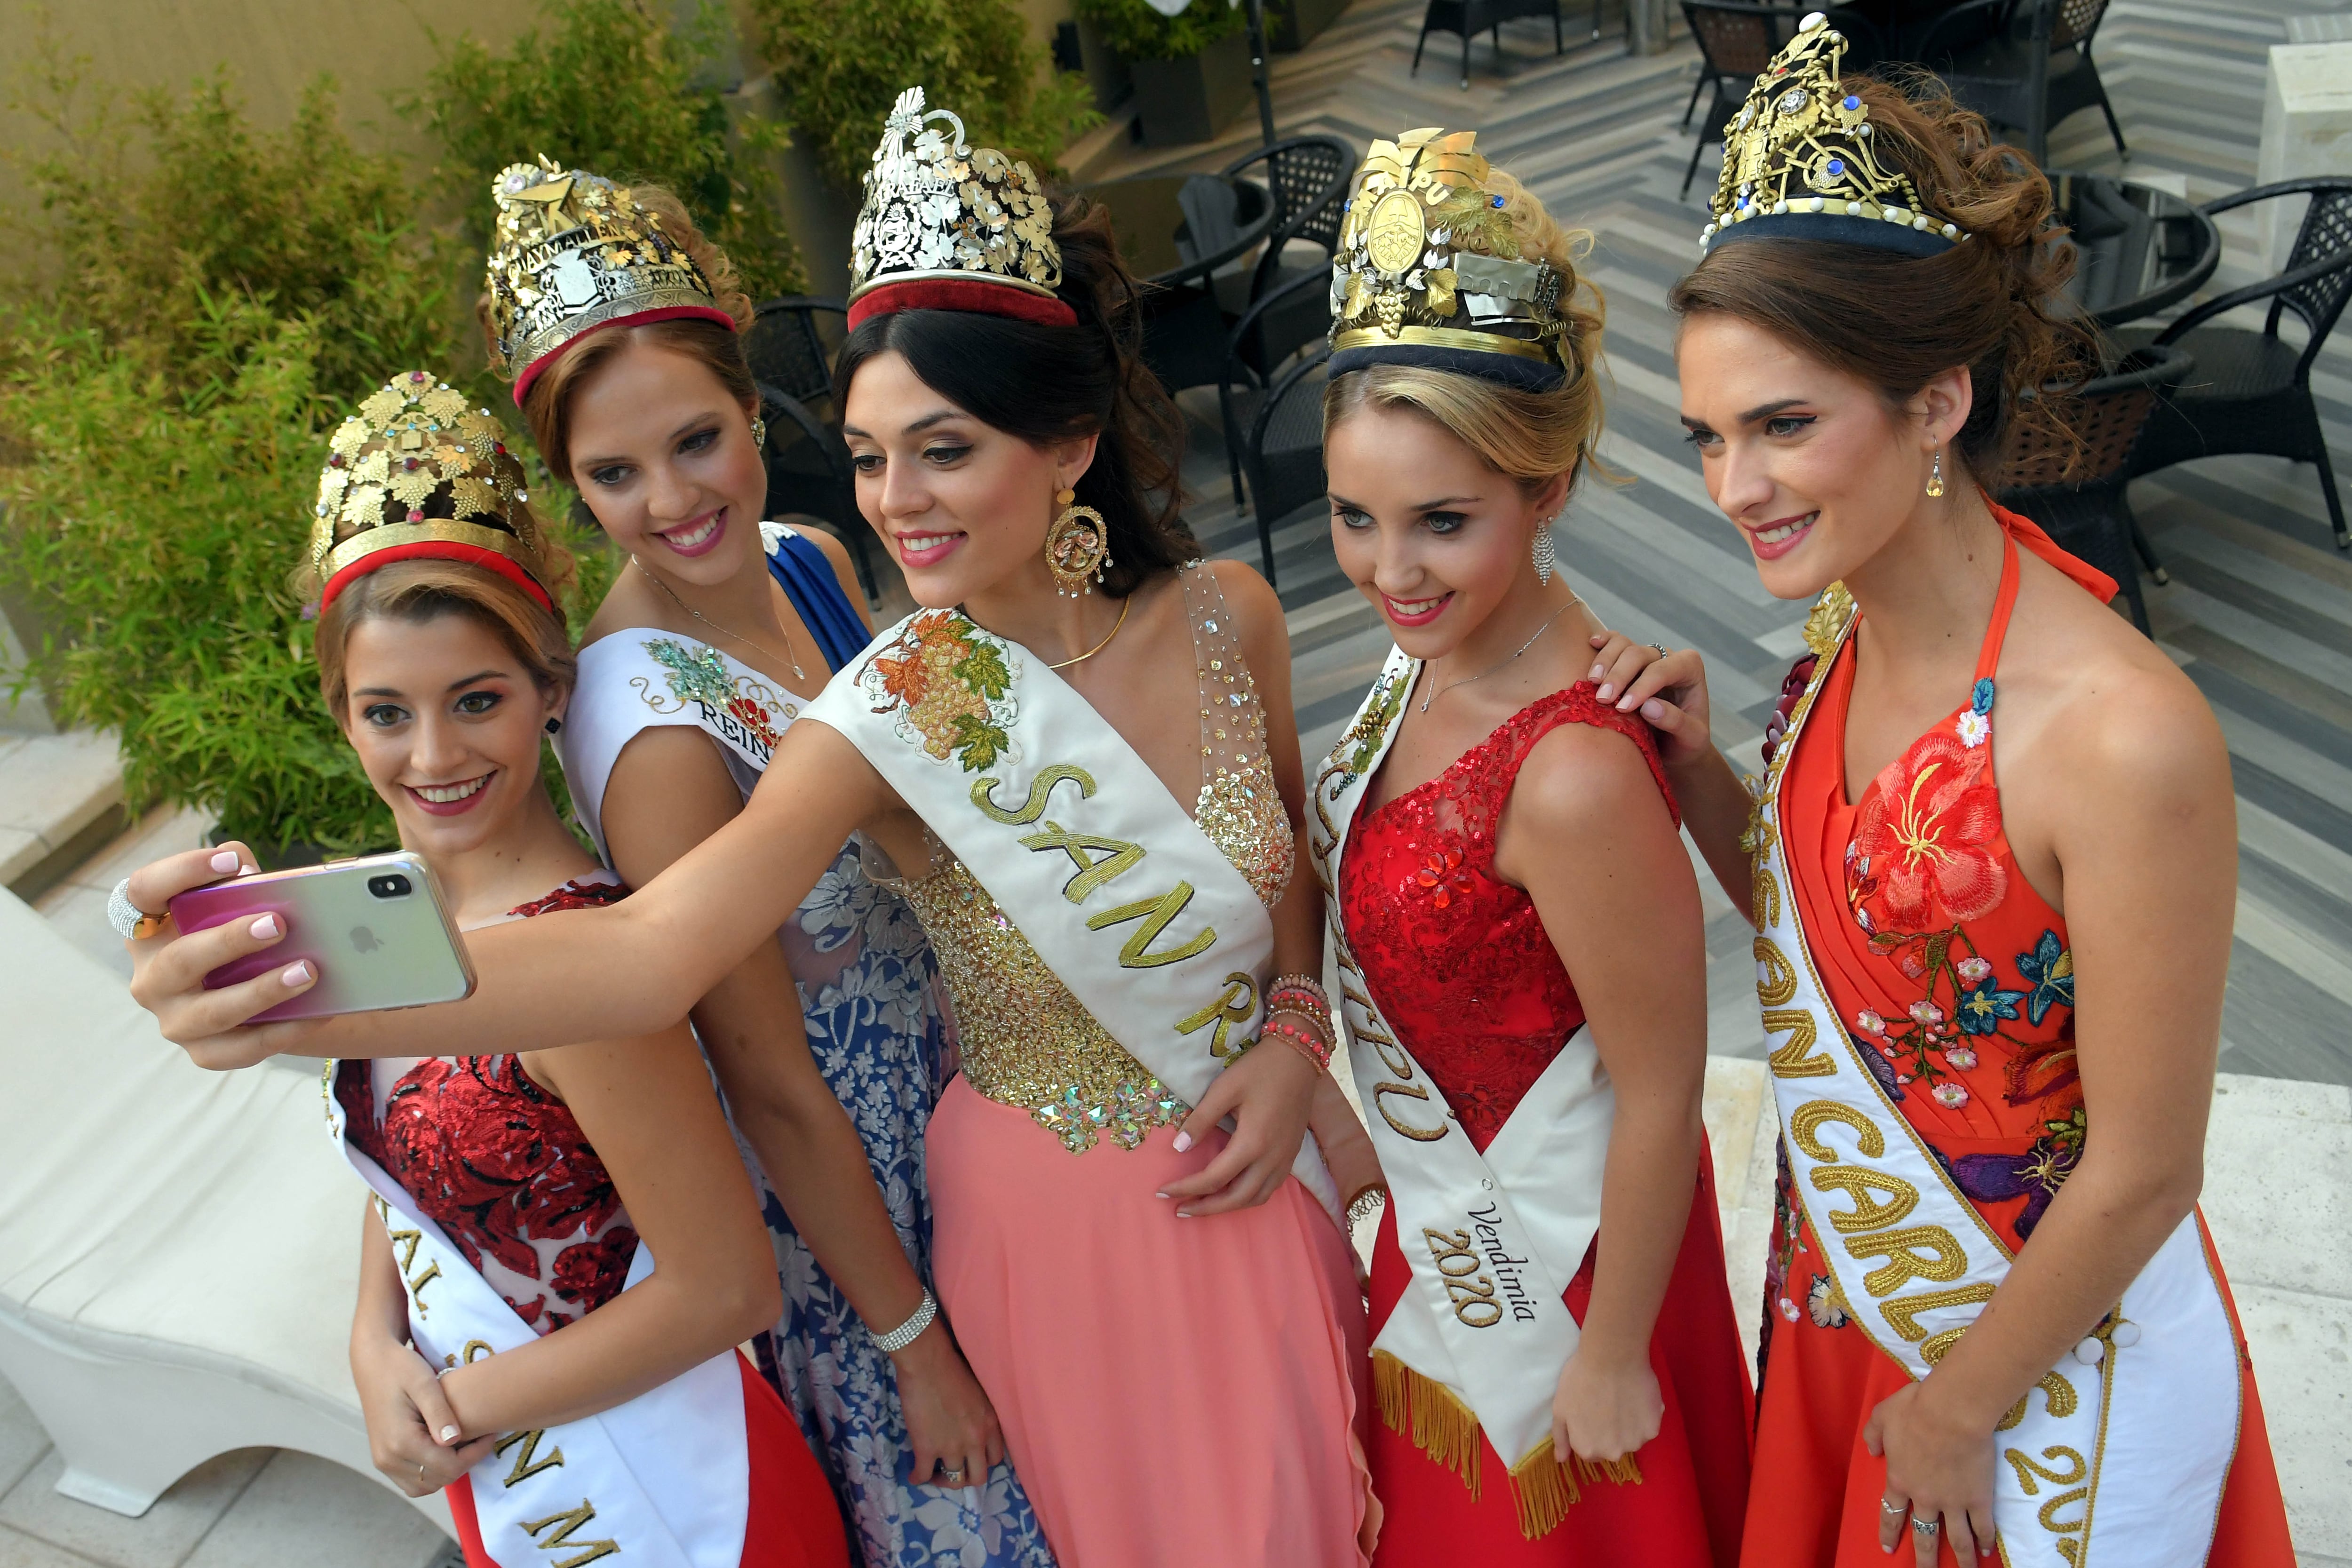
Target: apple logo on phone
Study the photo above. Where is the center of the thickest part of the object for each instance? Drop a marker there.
(363, 940)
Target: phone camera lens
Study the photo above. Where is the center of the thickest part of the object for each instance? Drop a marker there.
(391, 886)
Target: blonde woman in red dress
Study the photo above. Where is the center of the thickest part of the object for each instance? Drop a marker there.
(1992, 867)
(1520, 962)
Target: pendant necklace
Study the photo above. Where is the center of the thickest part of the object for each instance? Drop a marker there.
(1573, 602)
(790, 657)
(1081, 659)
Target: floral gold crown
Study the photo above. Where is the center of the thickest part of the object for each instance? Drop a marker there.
(1799, 161)
(573, 253)
(1429, 270)
(948, 226)
(414, 473)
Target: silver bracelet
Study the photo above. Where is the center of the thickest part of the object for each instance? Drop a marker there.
(907, 1333)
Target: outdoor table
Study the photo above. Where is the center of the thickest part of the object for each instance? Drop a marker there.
(2139, 249)
(1184, 328)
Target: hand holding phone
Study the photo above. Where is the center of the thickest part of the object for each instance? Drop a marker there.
(376, 931)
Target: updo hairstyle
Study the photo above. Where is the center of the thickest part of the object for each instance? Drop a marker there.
(1045, 383)
(1897, 321)
(1529, 436)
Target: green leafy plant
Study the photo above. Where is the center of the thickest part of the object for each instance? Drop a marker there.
(1142, 33)
(842, 66)
(611, 85)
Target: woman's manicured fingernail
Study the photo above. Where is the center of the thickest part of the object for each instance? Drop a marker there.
(1597, 672)
(1607, 690)
(264, 927)
(1654, 709)
(225, 862)
(1184, 1142)
(297, 974)
(450, 1433)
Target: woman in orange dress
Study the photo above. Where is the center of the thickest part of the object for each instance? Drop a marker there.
(1992, 867)
(1520, 956)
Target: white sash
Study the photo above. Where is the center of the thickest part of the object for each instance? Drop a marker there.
(663, 1480)
(2117, 1458)
(1127, 902)
(1492, 1239)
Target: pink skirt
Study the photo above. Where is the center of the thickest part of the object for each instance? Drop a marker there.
(1174, 1392)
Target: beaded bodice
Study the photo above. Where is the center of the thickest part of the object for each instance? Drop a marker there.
(1457, 958)
(1025, 1039)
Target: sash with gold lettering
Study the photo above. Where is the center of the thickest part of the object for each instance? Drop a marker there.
(661, 1479)
(2117, 1457)
(1121, 894)
(1492, 1239)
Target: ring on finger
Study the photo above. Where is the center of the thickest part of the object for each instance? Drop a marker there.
(1892, 1508)
(1926, 1526)
(1660, 647)
(130, 922)
(952, 1474)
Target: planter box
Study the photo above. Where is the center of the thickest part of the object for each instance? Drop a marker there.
(1299, 22)
(1107, 69)
(1179, 101)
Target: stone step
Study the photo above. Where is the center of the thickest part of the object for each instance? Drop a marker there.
(60, 802)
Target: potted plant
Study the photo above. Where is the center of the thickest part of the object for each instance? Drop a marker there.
(1192, 69)
(1298, 23)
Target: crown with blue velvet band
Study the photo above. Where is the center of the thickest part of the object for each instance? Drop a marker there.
(1428, 270)
(1799, 161)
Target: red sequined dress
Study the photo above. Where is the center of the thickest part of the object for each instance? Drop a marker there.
(503, 1168)
(1460, 963)
(1957, 978)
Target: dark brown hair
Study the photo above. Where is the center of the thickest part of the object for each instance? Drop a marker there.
(421, 590)
(1897, 321)
(545, 407)
(1049, 383)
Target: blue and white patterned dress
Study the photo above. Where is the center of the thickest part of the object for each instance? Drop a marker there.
(870, 998)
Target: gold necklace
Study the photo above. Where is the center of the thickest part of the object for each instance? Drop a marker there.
(790, 657)
(1123, 605)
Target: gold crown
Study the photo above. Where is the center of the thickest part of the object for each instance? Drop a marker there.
(416, 465)
(1800, 151)
(573, 252)
(1428, 256)
(937, 208)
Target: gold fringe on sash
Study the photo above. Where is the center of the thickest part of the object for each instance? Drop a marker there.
(1446, 1429)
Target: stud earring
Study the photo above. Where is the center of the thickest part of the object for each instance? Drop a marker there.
(554, 725)
(1077, 547)
(759, 431)
(1546, 552)
(1936, 475)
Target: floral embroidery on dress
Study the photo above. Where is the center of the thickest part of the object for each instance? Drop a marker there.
(949, 682)
(1921, 858)
(2050, 969)
(2035, 1175)
(700, 676)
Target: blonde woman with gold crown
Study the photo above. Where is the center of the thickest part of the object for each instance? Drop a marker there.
(1521, 967)
(1079, 763)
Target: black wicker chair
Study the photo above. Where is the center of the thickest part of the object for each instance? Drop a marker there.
(1470, 18)
(1242, 392)
(1282, 456)
(2025, 64)
(791, 346)
(2077, 495)
(1308, 177)
(2251, 392)
(1737, 42)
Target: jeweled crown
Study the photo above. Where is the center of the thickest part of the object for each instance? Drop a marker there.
(417, 470)
(1798, 161)
(1429, 260)
(939, 209)
(573, 252)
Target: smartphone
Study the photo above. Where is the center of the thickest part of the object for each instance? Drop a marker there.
(376, 928)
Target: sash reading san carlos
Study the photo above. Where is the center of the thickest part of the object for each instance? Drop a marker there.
(1127, 902)
(2119, 1456)
(1492, 1239)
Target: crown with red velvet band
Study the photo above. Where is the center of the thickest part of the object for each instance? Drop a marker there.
(416, 473)
(573, 253)
(949, 226)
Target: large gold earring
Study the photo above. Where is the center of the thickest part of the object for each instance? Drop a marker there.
(1077, 547)
(1936, 475)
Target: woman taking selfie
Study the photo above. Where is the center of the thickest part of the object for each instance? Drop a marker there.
(829, 1040)
(1518, 927)
(1992, 871)
(1104, 858)
(518, 1193)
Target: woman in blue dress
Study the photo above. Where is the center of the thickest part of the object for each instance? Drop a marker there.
(618, 324)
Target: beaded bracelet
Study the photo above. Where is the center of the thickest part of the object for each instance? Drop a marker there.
(1315, 1048)
(1301, 995)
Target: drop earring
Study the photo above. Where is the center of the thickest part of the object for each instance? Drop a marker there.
(1936, 475)
(1077, 547)
(1546, 552)
(759, 431)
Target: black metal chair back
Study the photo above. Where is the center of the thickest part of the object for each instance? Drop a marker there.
(1308, 177)
(791, 344)
(1265, 337)
(1284, 452)
(2323, 256)
(2076, 23)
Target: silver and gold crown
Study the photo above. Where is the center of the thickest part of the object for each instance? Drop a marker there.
(1798, 161)
(1429, 260)
(938, 209)
(416, 464)
(573, 252)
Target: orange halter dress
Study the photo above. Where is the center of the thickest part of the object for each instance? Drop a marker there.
(1957, 982)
